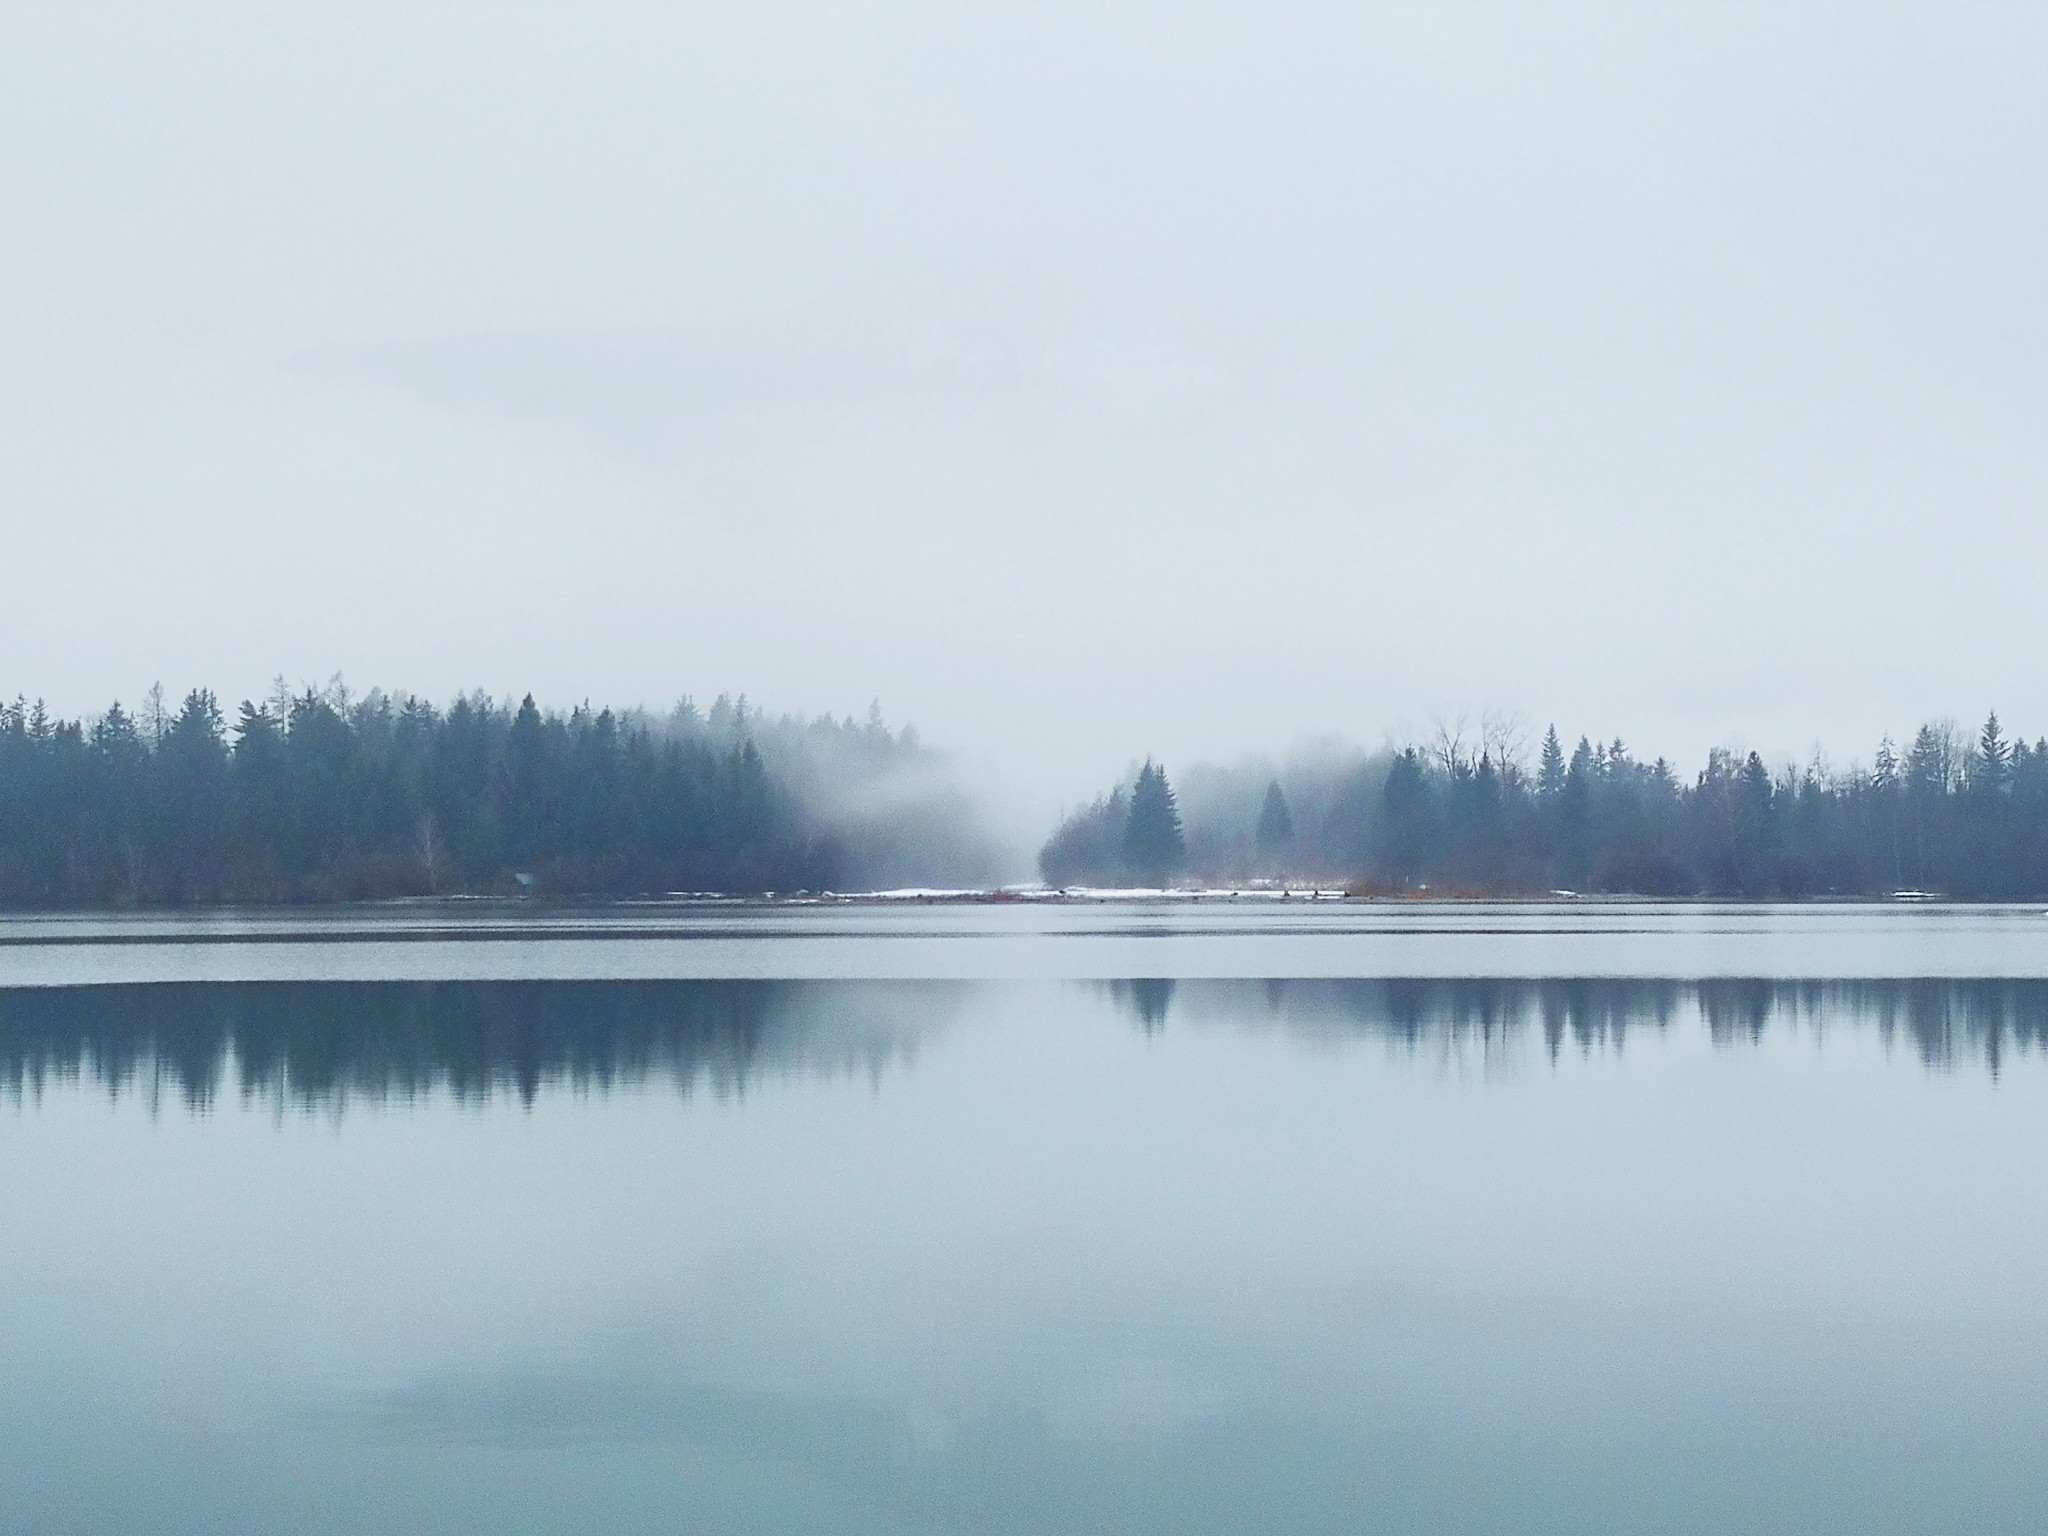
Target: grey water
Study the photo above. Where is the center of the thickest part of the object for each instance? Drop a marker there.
(1120, 1218)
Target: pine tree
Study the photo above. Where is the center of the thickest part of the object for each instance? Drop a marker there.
(1276, 823)
(256, 730)
(1154, 847)
(1988, 772)
(114, 734)
(1928, 767)
(1550, 773)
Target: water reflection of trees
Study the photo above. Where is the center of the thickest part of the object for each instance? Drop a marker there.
(1943, 1021)
(1146, 999)
(325, 1044)
(314, 1044)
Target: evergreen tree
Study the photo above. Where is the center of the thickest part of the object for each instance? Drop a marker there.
(1928, 765)
(1988, 771)
(1550, 769)
(1155, 849)
(1583, 765)
(1275, 834)
(1406, 816)
(1758, 803)
(114, 736)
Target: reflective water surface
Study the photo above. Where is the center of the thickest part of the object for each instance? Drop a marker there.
(470, 1245)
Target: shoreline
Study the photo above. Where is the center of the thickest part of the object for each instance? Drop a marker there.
(1007, 896)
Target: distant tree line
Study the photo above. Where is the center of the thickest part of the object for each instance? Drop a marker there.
(325, 795)
(1960, 815)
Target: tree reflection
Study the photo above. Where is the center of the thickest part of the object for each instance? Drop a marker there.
(313, 1044)
(1146, 999)
(1944, 1022)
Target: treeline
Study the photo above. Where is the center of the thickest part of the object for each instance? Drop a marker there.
(1965, 816)
(323, 795)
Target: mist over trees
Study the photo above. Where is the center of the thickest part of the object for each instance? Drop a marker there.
(890, 809)
(1126, 837)
(320, 794)
(1274, 836)
(1962, 814)
(326, 795)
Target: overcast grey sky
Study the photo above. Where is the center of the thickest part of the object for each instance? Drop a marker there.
(1082, 380)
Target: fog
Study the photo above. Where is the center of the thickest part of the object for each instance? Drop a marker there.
(1083, 381)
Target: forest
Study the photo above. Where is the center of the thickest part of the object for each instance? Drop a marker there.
(321, 794)
(325, 795)
(1950, 813)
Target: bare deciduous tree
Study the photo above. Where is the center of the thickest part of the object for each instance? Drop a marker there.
(1449, 747)
(1504, 736)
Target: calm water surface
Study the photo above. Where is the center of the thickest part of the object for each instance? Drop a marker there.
(964, 1219)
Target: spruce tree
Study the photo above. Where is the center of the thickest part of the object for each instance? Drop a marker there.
(1154, 848)
(1550, 773)
(114, 736)
(1276, 823)
(1928, 768)
(1988, 772)
(1407, 833)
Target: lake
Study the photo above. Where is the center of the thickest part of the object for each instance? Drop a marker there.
(1140, 1217)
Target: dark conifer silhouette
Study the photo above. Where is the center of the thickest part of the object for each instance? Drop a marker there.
(1994, 755)
(1275, 833)
(1154, 849)
(1550, 771)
